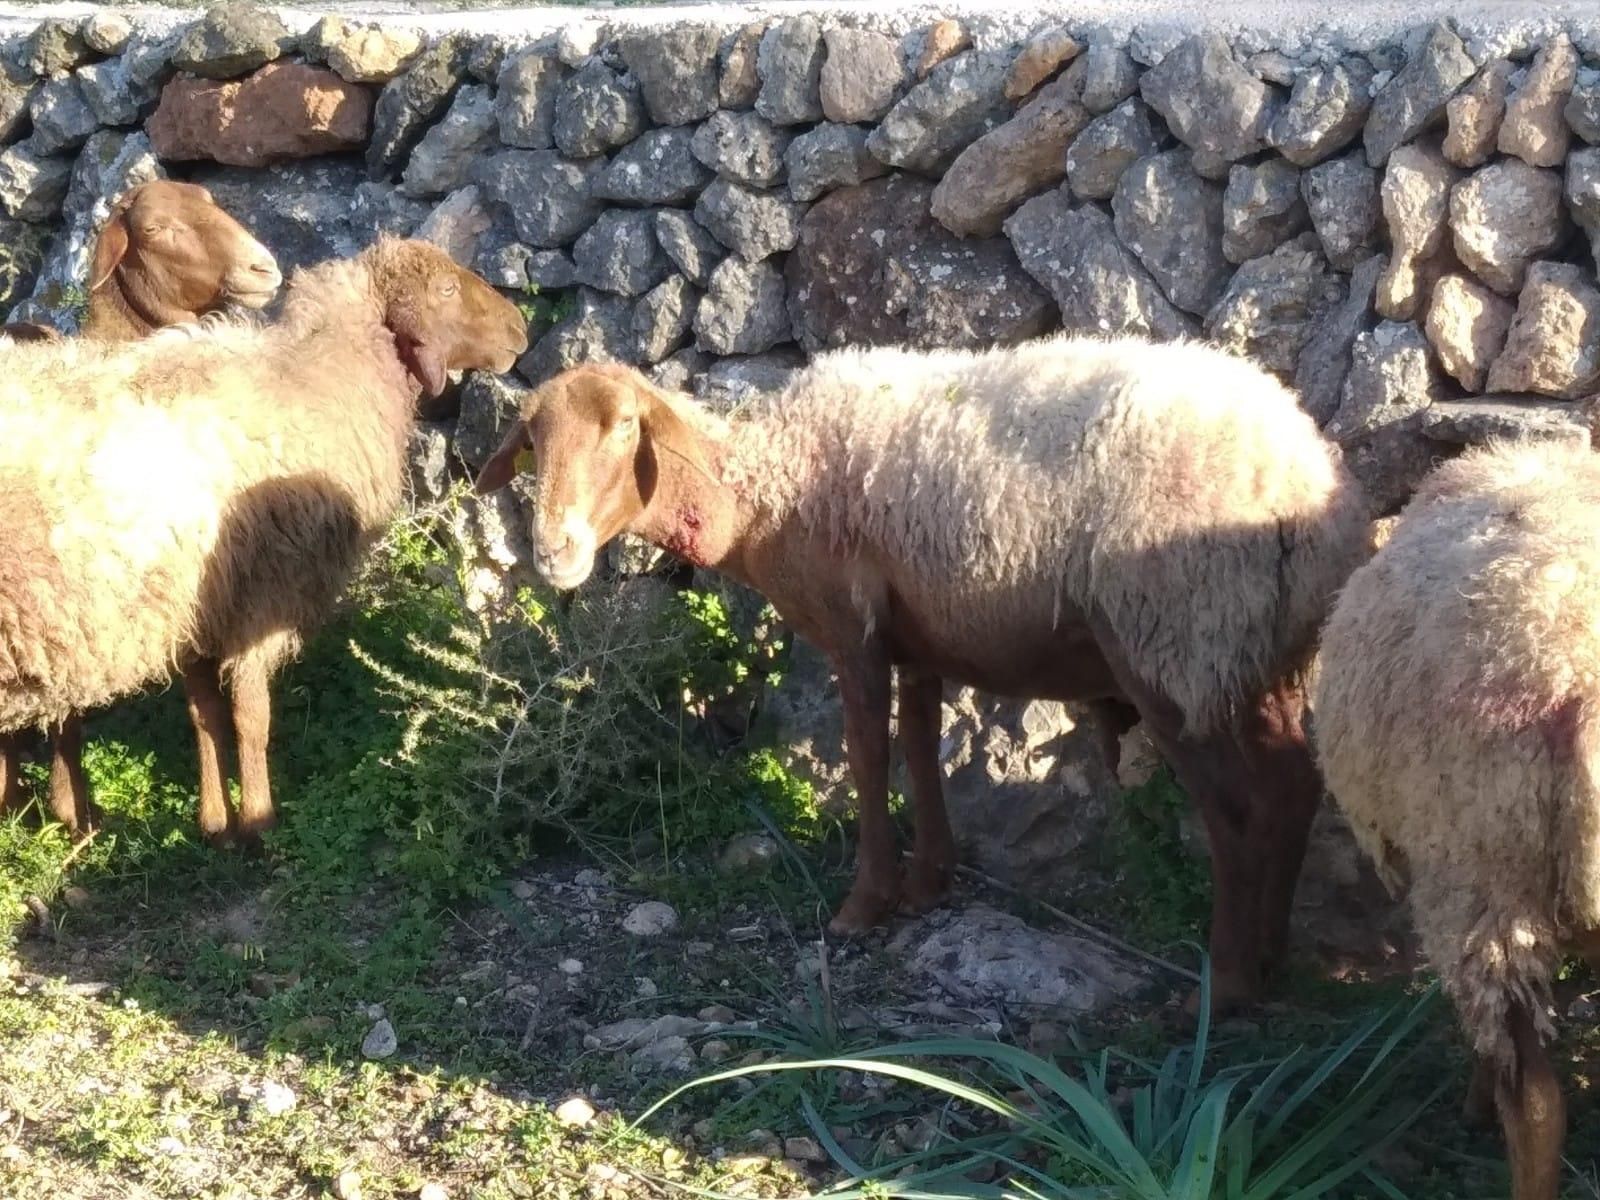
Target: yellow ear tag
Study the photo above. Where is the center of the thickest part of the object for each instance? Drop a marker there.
(523, 460)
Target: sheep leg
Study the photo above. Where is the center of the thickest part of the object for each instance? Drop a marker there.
(1210, 777)
(1478, 1111)
(1209, 769)
(69, 790)
(864, 689)
(1285, 789)
(926, 883)
(1532, 1113)
(208, 712)
(12, 794)
(252, 722)
(1113, 719)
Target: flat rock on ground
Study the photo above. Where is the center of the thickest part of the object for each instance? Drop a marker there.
(983, 955)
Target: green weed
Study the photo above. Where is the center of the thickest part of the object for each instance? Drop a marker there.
(1110, 1125)
(1163, 892)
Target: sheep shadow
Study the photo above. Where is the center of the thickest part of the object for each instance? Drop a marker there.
(328, 719)
(366, 894)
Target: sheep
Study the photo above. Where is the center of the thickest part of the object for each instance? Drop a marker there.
(30, 331)
(167, 254)
(197, 500)
(1154, 526)
(1458, 726)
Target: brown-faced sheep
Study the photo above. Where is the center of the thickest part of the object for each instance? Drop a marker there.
(30, 331)
(199, 499)
(167, 255)
(1160, 526)
(1458, 723)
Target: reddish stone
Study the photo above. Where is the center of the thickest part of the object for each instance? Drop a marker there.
(284, 110)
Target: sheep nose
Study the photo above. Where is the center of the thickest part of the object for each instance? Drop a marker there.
(267, 269)
(554, 549)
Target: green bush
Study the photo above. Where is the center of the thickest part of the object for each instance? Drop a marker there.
(577, 716)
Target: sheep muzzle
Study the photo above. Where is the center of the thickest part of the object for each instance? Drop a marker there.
(253, 284)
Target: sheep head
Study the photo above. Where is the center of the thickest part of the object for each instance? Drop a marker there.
(592, 438)
(443, 317)
(30, 331)
(174, 255)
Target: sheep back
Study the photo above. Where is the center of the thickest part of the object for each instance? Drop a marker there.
(1176, 491)
(1456, 720)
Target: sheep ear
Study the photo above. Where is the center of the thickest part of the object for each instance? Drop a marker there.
(505, 462)
(668, 431)
(417, 351)
(109, 249)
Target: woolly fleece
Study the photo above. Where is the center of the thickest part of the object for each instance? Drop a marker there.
(1174, 489)
(1456, 716)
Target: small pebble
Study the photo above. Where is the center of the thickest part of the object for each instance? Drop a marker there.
(522, 890)
(749, 852)
(716, 1051)
(650, 919)
(275, 1099)
(432, 1191)
(718, 1014)
(804, 1149)
(571, 966)
(380, 1041)
(575, 1113)
(347, 1186)
(645, 989)
(75, 897)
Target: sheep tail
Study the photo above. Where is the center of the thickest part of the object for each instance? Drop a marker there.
(1506, 959)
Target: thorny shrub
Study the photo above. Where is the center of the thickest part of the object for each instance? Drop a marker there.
(580, 714)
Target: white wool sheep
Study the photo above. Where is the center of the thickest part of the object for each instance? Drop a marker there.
(1076, 519)
(1458, 723)
(166, 255)
(196, 501)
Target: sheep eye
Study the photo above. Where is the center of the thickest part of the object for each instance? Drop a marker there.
(449, 288)
(151, 230)
(625, 426)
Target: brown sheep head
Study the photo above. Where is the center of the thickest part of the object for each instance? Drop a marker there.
(174, 255)
(30, 331)
(592, 437)
(443, 317)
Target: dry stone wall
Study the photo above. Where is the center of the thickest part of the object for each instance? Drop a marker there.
(1402, 227)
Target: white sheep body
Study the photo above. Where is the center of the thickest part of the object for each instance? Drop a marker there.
(1458, 719)
(140, 484)
(1175, 490)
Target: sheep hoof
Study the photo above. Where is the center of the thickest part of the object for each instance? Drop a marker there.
(860, 914)
(1228, 997)
(923, 888)
(254, 827)
(249, 843)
